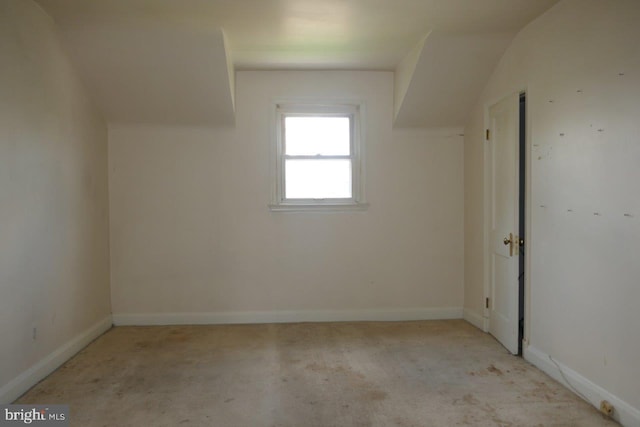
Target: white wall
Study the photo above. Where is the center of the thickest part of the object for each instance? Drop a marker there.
(54, 265)
(193, 240)
(580, 63)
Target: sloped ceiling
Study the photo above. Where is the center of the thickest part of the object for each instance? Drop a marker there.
(150, 74)
(444, 77)
(173, 61)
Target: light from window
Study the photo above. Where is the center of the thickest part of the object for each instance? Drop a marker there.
(318, 155)
(312, 136)
(317, 179)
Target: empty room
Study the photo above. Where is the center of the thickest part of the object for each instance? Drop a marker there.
(319, 213)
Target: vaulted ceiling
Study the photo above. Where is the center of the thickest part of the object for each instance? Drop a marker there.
(173, 61)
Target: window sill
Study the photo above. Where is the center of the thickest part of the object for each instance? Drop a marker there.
(329, 207)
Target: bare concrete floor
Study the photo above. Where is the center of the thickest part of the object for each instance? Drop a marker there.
(434, 373)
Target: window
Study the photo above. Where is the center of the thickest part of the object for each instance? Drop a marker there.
(318, 157)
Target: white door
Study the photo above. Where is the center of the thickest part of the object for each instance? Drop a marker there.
(503, 226)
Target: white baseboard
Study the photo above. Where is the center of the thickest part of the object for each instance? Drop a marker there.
(476, 320)
(387, 315)
(624, 413)
(27, 379)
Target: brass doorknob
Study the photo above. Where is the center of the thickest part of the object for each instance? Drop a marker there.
(510, 241)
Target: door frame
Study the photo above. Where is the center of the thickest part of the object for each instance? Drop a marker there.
(527, 209)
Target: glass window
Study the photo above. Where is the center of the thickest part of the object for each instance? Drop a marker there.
(318, 156)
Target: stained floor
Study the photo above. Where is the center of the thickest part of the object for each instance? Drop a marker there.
(428, 373)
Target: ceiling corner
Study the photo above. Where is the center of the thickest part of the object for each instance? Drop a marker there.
(231, 71)
(403, 75)
(450, 71)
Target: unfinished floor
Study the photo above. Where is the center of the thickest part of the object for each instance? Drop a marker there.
(430, 373)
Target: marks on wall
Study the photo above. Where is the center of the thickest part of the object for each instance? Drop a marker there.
(583, 149)
(570, 210)
(542, 151)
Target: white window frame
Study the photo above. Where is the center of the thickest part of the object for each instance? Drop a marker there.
(325, 109)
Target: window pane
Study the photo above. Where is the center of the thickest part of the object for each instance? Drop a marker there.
(308, 136)
(318, 179)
